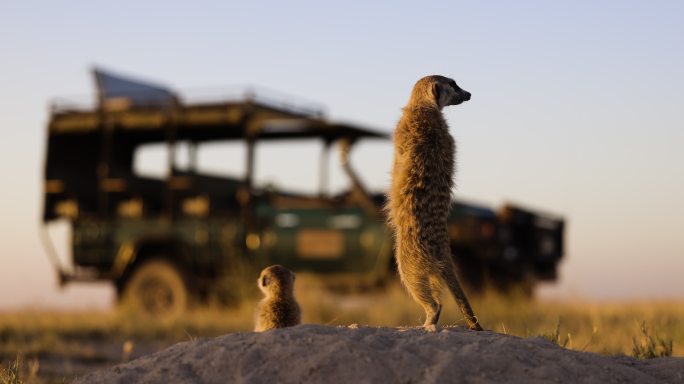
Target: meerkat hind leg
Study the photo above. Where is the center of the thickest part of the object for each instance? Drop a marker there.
(436, 291)
(421, 288)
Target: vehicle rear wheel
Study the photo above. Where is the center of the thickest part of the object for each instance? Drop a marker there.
(156, 288)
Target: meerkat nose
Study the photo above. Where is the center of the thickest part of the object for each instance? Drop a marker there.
(467, 95)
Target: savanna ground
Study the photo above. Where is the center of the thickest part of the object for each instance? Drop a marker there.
(58, 346)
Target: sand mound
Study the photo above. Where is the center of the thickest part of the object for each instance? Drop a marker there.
(322, 354)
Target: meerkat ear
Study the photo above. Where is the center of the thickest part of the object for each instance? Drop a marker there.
(264, 281)
(436, 92)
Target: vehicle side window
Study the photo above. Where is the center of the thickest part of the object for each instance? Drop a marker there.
(288, 166)
(372, 161)
(151, 161)
(225, 158)
(216, 158)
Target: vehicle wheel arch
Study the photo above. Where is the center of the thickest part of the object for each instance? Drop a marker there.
(135, 253)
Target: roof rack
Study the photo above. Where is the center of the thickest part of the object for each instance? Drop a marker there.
(203, 96)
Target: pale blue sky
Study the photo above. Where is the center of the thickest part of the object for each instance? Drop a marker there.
(576, 109)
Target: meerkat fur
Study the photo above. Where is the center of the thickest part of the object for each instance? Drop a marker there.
(279, 308)
(419, 199)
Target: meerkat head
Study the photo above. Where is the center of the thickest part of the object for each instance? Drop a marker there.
(276, 279)
(437, 91)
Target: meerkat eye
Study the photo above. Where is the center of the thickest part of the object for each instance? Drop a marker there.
(264, 281)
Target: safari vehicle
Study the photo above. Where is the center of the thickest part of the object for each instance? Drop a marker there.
(165, 240)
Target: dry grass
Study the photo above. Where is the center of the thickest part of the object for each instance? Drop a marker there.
(99, 339)
(57, 346)
(601, 327)
(11, 373)
(650, 347)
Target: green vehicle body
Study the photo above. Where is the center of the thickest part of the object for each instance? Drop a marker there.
(203, 225)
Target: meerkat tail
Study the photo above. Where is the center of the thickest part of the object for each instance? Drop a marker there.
(449, 276)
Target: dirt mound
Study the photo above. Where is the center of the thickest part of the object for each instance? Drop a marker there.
(323, 354)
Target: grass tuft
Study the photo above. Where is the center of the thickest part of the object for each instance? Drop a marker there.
(650, 347)
(555, 336)
(12, 373)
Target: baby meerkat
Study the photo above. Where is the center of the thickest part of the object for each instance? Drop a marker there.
(419, 199)
(279, 308)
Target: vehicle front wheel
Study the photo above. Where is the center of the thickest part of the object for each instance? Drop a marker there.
(156, 288)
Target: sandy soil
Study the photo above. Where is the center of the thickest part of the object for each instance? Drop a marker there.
(323, 354)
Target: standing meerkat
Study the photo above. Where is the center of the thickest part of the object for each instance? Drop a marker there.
(279, 308)
(419, 199)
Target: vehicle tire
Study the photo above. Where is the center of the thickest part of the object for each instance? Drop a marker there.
(156, 288)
